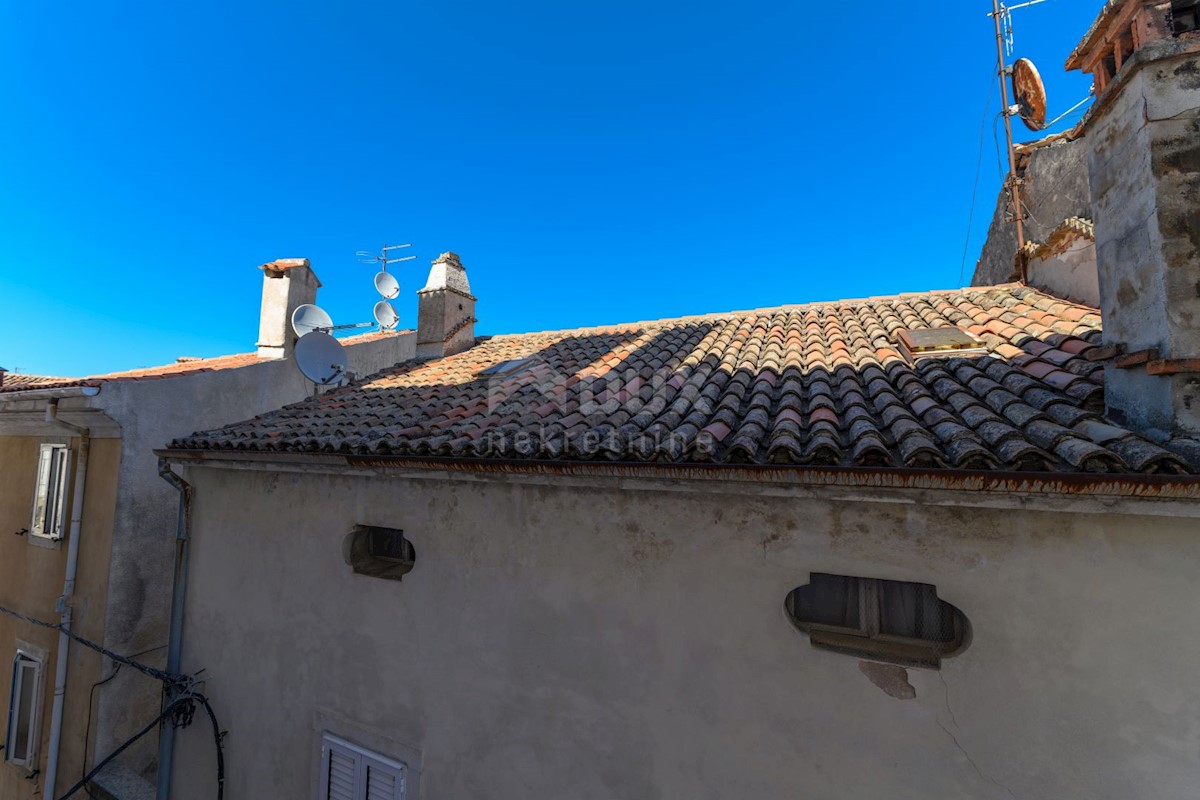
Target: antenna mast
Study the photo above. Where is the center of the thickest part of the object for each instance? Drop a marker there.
(998, 12)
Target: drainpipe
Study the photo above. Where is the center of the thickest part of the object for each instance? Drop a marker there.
(166, 738)
(63, 604)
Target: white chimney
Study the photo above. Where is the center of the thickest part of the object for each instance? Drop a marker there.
(445, 310)
(287, 284)
(1143, 142)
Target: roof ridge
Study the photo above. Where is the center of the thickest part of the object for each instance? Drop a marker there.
(853, 301)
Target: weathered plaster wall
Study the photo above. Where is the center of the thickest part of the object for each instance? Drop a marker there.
(1070, 274)
(1144, 161)
(1055, 188)
(151, 414)
(604, 639)
(31, 578)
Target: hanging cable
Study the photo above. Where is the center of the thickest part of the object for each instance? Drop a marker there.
(183, 706)
(962, 267)
(181, 709)
(1070, 110)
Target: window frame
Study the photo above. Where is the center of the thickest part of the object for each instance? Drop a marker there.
(25, 659)
(364, 761)
(53, 477)
(868, 641)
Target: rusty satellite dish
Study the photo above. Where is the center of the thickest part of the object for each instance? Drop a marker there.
(1029, 93)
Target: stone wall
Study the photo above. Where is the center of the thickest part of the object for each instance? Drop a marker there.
(1055, 189)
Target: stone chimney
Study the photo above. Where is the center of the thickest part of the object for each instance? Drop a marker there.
(1143, 141)
(287, 284)
(445, 310)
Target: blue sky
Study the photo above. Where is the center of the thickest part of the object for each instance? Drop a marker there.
(591, 163)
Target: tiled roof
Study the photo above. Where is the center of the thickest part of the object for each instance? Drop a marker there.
(182, 366)
(26, 381)
(1061, 237)
(820, 384)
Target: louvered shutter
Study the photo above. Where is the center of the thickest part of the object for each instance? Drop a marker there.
(340, 777)
(384, 783)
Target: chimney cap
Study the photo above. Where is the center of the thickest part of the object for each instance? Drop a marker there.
(280, 266)
(449, 257)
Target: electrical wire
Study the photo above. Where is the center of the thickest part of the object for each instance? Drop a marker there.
(87, 728)
(165, 677)
(962, 267)
(182, 708)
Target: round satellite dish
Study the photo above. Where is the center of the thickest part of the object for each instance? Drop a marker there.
(386, 316)
(321, 358)
(308, 318)
(387, 285)
(1029, 93)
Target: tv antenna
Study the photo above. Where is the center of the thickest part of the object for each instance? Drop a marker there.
(386, 283)
(384, 259)
(1002, 17)
(309, 318)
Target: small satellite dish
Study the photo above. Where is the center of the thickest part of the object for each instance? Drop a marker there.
(321, 358)
(386, 316)
(308, 318)
(387, 285)
(1029, 93)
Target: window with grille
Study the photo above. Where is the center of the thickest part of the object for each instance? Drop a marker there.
(50, 494)
(24, 706)
(348, 772)
(896, 621)
(379, 552)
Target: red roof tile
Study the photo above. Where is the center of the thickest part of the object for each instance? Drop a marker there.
(183, 366)
(818, 384)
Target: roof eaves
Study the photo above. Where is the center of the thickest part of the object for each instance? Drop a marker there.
(1057, 484)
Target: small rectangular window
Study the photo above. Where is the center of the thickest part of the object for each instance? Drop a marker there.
(348, 772)
(24, 706)
(50, 494)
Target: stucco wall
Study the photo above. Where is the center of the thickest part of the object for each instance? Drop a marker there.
(1055, 188)
(1070, 273)
(604, 639)
(151, 413)
(31, 578)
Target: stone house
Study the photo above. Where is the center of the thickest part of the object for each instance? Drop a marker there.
(96, 535)
(940, 544)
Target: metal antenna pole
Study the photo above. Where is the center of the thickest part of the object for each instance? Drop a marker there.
(1013, 182)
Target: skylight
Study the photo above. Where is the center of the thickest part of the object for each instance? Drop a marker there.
(939, 343)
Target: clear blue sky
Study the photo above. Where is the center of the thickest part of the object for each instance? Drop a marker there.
(591, 163)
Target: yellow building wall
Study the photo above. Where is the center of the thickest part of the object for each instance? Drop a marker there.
(31, 579)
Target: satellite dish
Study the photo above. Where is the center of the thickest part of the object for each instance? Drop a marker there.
(1029, 93)
(386, 316)
(387, 285)
(321, 358)
(308, 318)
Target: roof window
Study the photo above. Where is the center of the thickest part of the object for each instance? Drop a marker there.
(507, 367)
(920, 343)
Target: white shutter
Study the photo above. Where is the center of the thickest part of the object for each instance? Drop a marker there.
(349, 772)
(384, 783)
(339, 778)
(23, 707)
(50, 494)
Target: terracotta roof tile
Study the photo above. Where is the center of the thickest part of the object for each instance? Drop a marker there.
(820, 384)
(182, 366)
